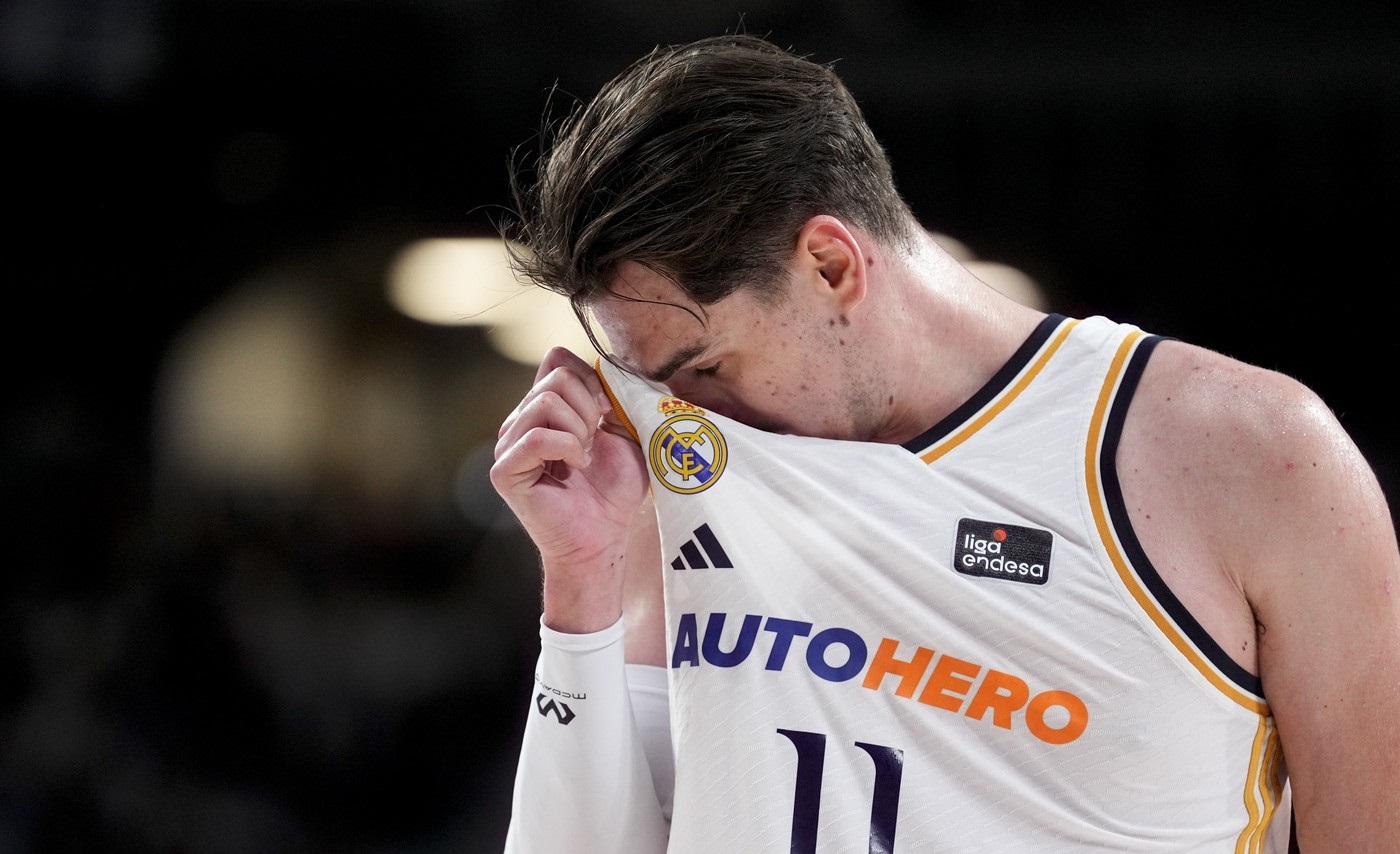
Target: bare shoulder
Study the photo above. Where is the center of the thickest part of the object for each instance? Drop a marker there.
(1257, 467)
(1218, 462)
(1247, 477)
(1262, 455)
(1229, 404)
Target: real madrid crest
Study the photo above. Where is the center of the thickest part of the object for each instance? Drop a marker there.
(687, 451)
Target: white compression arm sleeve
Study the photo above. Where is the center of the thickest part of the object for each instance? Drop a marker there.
(651, 708)
(582, 782)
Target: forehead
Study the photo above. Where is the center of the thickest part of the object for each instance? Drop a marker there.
(647, 318)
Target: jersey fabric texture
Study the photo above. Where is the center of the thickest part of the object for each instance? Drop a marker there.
(953, 645)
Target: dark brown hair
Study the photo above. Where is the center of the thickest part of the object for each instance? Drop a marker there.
(700, 161)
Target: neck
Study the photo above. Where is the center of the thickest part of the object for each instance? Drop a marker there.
(952, 333)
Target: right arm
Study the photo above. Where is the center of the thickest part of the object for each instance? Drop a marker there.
(577, 482)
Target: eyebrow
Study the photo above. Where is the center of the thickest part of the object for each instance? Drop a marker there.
(673, 364)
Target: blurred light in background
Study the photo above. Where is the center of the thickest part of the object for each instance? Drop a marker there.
(1002, 278)
(1009, 281)
(242, 398)
(468, 281)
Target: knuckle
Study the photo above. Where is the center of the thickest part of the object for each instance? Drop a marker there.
(549, 398)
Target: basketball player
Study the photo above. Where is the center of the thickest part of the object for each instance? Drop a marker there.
(845, 551)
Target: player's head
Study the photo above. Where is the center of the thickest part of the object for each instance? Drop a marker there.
(702, 162)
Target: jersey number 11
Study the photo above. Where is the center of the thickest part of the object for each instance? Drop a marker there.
(807, 793)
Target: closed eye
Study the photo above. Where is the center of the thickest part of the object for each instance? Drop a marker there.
(707, 371)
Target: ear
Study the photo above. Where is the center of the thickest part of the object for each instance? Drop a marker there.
(829, 257)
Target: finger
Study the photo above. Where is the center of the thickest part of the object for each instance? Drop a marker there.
(613, 423)
(548, 410)
(525, 462)
(583, 394)
(562, 357)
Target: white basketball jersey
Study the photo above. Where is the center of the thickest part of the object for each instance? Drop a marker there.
(953, 645)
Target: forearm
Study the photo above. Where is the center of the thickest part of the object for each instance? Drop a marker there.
(582, 782)
(583, 600)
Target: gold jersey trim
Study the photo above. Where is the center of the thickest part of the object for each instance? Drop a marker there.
(617, 407)
(1107, 535)
(1004, 399)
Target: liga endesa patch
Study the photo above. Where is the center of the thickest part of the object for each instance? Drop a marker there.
(997, 550)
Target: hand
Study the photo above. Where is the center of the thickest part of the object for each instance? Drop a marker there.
(574, 478)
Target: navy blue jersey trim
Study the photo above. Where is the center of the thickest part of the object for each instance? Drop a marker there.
(993, 387)
(1137, 558)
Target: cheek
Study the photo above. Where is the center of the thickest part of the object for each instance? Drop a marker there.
(792, 375)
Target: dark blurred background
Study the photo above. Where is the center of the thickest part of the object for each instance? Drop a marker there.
(258, 595)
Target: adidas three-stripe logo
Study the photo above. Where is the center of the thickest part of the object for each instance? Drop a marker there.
(692, 556)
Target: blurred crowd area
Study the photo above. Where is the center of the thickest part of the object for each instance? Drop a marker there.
(295, 618)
